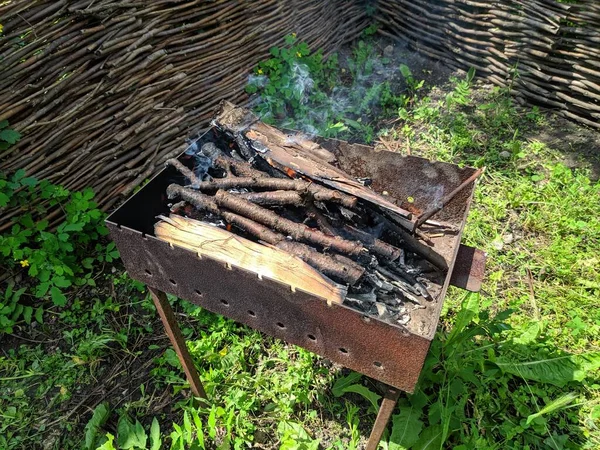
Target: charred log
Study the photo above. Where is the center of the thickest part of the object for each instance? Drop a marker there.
(298, 231)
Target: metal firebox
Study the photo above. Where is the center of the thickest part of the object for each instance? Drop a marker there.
(386, 352)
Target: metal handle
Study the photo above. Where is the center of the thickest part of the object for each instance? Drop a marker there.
(469, 268)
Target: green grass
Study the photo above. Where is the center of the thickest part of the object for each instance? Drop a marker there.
(513, 368)
(538, 222)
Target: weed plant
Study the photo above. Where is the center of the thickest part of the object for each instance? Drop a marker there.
(52, 258)
(302, 90)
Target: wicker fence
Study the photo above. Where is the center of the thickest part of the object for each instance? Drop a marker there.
(105, 91)
(548, 52)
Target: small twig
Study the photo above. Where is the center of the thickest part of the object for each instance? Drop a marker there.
(447, 198)
(321, 220)
(424, 237)
(29, 23)
(387, 145)
(274, 198)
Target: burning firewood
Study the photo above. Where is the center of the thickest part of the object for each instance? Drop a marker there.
(317, 192)
(328, 265)
(274, 198)
(190, 175)
(288, 196)
(298, 231)
(219, 244)
(284, 153)
(333, 266)
(238, 168)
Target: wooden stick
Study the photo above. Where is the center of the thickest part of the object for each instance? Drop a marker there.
(447, 198)
(377, 246)
(388, 404)
(240, 168)
(274, 198)
(319, 193)
(183, 170)
(271, 262)
(413, 245)
(170, 323)
(321, 220)
(199, 200)
(345, 270)
(298, 231)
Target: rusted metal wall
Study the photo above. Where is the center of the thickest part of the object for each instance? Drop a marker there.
(105, 91)
(547, 52)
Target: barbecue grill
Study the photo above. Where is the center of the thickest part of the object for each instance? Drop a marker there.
(384, 351)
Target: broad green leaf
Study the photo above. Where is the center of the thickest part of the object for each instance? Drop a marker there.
(109, 444)
(130, 435)
(3, 200)
(555, 405)
(405, 71)
(18, 175)
(39, 315)
(155, 441)
(3, 124)
(212, 423)
(60, 281)
(558, 371)
(42, 225)
(199, 430)
(58, 298)
(10, 136)
(468, 311)
(27, 313)
(366, 393)
(99, 418)
(470, 74)
(29, 181)
(430, 439)
(406, 428)
(294, 437)
(342, 383)
(42, 288)
(187, 426)
(73, 227)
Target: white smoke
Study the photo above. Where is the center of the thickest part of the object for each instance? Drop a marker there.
(347, 105)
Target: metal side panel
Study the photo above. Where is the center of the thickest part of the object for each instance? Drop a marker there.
(379, 350)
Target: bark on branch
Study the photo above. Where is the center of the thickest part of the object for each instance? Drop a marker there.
(328, 265)
(299, 232)
(319, 193)
(274, 198)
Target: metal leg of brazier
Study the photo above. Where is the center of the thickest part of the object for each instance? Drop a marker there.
(390, 398)
(388, 404)
(172, 328)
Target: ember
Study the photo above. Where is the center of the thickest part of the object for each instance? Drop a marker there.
(282, 193)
